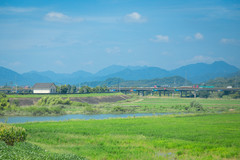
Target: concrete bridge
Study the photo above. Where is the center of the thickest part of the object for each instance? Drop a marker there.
(169, 90)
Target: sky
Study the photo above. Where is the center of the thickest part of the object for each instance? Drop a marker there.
(68, 35)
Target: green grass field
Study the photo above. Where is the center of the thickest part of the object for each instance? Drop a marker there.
(214, 136)
(152, 104)
(210, 103)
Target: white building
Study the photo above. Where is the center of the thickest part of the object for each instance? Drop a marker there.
(44, 88)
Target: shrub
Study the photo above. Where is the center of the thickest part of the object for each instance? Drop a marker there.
(90, 110)
(118, 109)
(39, 111)
(195, 105)
(67, 101)
(11, 134)
(15, 102)
(4, 102)
(45, 101)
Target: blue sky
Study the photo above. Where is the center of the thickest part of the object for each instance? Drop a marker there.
(68, 35)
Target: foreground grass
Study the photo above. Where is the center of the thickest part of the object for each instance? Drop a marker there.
(62, 95)
(215, 136)
(27, 151)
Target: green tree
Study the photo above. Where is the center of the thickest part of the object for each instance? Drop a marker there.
(73, 89)
(85, 89)
(64, 89)
(69, 88)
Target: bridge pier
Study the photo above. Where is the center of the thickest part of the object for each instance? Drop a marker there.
(180, 93)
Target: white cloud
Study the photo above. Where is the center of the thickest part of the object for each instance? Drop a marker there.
(229, 41)
(60, 17)
(202, 59)
(134, 17)
(113, 50)
(198, 36)
(160, 38)
(6, 10)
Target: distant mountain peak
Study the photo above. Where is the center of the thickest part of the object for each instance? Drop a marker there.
(199, 72)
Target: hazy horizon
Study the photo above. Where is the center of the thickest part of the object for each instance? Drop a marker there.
(68, 36)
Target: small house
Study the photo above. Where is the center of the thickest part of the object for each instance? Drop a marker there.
(44, 88)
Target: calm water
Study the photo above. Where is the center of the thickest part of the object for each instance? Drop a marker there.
(73, 116)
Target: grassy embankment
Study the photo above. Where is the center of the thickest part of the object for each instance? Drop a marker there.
(213, 136)
(53, 104)
(136, 104)
(62, 95)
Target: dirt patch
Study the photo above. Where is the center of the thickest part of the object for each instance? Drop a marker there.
(90, 100)
(25, 101)
(96, 100)
(231, 110)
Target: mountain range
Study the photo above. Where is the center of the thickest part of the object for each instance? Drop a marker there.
(196, 73)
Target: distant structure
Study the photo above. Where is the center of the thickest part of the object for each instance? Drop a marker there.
(44, 88)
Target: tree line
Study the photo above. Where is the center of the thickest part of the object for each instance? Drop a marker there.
(63, 89)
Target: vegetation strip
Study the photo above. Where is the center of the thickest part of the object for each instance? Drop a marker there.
(63, 95)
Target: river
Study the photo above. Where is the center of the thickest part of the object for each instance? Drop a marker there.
(23, 119)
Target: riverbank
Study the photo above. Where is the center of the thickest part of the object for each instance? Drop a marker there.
(56, 105)
(122, 104)
(90, 99)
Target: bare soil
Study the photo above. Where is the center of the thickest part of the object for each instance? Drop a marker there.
(90, 100)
